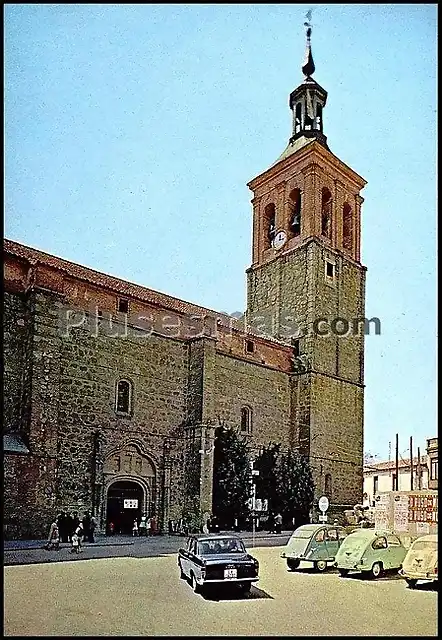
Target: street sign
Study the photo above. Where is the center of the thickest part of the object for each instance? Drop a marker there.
(322, 518)
(323, 504)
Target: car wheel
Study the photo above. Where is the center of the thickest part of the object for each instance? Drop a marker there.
(320, 565)
(195, 586)
(376, 570)
(343, 573)
(293, 563)
(412, 582)
(182, 574)
(245, 587)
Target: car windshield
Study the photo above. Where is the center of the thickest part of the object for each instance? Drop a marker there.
(220, 546)
(425, 544)
(303, 533)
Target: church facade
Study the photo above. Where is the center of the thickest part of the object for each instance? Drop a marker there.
(112, 391)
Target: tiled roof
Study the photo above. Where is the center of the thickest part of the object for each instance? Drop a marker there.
(391, 464)
(125, 288)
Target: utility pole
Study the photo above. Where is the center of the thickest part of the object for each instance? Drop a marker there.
(397, 462)
(419, 472)
(411, 463)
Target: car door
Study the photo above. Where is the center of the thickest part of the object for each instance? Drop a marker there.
(318, 546)
(380, 552)
(185, 557)
(396, 552)
(332, 543)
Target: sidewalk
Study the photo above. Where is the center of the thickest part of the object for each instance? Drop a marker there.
(120, 540)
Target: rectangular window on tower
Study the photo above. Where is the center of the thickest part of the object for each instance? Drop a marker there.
(330, 272)
(123, 305)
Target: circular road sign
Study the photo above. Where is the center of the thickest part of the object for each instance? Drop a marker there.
(323, 504)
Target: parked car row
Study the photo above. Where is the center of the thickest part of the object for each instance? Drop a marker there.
(223, 559)
(368, 551)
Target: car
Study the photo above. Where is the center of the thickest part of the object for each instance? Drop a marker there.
(420, 563)
(217, 560)
(317, 543)
(371, 552)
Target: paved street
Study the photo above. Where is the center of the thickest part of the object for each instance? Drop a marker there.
(32, 551)
(144, 596)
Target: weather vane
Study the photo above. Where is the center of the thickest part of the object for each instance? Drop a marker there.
(308, 23)
(308, 68)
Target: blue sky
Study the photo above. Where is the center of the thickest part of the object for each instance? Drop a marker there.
(132, 130)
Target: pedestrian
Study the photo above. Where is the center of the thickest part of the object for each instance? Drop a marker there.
(79, 533)
(170, 527)
(87, 525)
(62, 526)
(69, 526)
(143, 525)
(135, 529)
(92, 527)
(75, 521)
(54, 536)
(75, 541)
(278, 523)
(153, 526)
(111, 528)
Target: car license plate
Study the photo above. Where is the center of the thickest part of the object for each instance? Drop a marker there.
(229, 574)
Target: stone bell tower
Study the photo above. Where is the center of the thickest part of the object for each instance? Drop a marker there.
(306, 286)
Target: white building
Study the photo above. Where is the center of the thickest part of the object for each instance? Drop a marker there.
(381, 476)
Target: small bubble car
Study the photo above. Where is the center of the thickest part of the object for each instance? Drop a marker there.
(420, 563)
(316, 543)
(371, 552)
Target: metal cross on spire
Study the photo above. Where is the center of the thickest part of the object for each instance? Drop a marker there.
(308, 68)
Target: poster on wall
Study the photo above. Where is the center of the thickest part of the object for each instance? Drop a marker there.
(381, 512)
(130, 504)
(400, 513)
(422, 528)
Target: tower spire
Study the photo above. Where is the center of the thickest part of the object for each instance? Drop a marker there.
(308, 67)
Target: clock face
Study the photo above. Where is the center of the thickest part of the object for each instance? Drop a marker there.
(279, 240)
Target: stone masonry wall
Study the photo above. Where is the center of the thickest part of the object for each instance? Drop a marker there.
(16, 328)
(158, 371)
(265, 391)
(337, 438)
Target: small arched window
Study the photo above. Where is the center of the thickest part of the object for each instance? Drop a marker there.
(328, 485)
(326, 211)
(347, 227)
(269, 224)
(295, 212)
(246, 420)
(319, 117)
(298, 116)
(123, 400)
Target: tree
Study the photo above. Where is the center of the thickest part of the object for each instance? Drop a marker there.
(295, 486)
(286, 481)
(231, 476)
(266, 482)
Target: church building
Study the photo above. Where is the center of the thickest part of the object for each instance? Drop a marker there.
(113, 391)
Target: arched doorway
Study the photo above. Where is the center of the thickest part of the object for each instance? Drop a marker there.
(125, 502)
